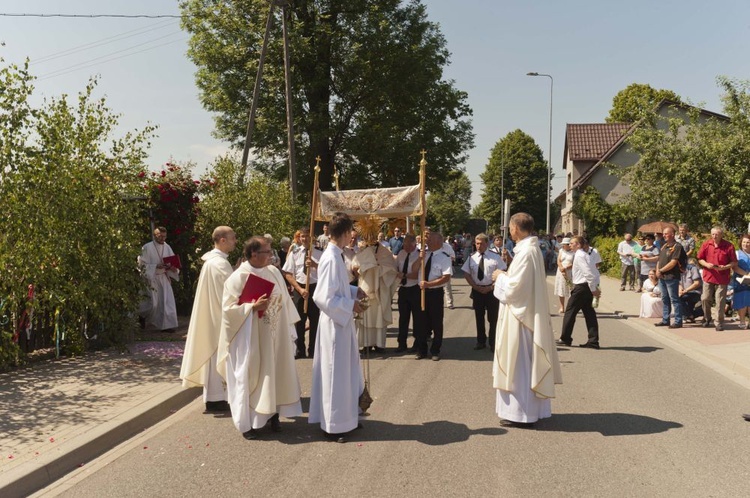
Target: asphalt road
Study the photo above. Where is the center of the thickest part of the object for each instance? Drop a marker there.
(632, 419)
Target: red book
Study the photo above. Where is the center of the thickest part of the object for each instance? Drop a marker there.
(173, 260)
(255, 287)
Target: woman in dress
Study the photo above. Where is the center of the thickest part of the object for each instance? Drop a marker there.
(563, 276)
(741, 296)
(651, 303)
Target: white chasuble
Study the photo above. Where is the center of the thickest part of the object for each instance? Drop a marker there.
(256, 355)
(525, 367)
(159, 308)
(337, 379)
(377, 278)
(205, 326)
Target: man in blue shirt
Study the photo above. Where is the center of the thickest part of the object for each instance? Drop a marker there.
(396, 242)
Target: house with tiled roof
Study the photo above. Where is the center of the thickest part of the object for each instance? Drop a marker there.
(591, 150)
(586, 145)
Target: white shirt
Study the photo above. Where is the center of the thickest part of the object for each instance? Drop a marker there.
(584, 270)
(626, 248)
(596, 258)
(441, 264)
(492, 262)
(402, 255)
(295, 265)
(448, 249)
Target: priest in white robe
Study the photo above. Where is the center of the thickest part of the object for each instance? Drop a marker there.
(337, 380)
(378, 279)
(199, 359)
(256, 354)
(158, 309)
(526, 367)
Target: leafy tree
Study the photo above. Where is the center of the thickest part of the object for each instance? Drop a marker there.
(448, 203)
(519, 160)
(252, 204)
(637, 101)
(368, 88)
(71, 188)
(599, 217)
(695, 166)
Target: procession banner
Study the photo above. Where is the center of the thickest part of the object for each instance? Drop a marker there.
(394, 202)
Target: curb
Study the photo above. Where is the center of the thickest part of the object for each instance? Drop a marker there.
(33, 476)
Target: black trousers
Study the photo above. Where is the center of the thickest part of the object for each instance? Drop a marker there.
(580, 299)
(432, 321)
(689, 302)
(489, 304)
(409, 306)
(313, 313)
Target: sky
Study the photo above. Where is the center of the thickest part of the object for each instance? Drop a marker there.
(591, 48)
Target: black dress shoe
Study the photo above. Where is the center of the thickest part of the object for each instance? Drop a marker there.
(275, 423)
(420, 356)
(590, 345)
(479, 346)
(378, 350)
(401, 349)
(675, 326)
(560, 342)
(251, 434)
(216, 407)
(661, 324)
(708, 324)
(337, 438)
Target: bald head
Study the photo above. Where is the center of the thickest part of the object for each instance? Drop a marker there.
(224, 239)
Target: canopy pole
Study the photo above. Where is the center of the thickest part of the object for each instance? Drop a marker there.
(422, 182)
(312, 229)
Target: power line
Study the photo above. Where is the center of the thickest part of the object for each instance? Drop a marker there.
(102, 42)
(73, 69)
(95, 16)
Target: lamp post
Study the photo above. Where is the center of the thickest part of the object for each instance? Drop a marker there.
(549, 161)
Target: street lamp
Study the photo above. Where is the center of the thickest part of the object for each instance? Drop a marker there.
(549, 161)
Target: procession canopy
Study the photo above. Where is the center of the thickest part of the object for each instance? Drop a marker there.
(394, 202)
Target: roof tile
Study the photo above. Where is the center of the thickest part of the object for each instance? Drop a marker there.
(589, 142)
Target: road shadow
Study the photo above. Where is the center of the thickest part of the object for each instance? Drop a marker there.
(453, 348)
(606, 424)
(435, 433)
(462, 349)
(634, 349)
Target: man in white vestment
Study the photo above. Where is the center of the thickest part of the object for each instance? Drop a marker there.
(377, 272)
(256, 354)
(199, 359)
(525, 368)
(337, 380)
(159, 308)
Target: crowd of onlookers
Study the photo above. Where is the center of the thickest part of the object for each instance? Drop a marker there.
(701, 278)
(683, 282)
